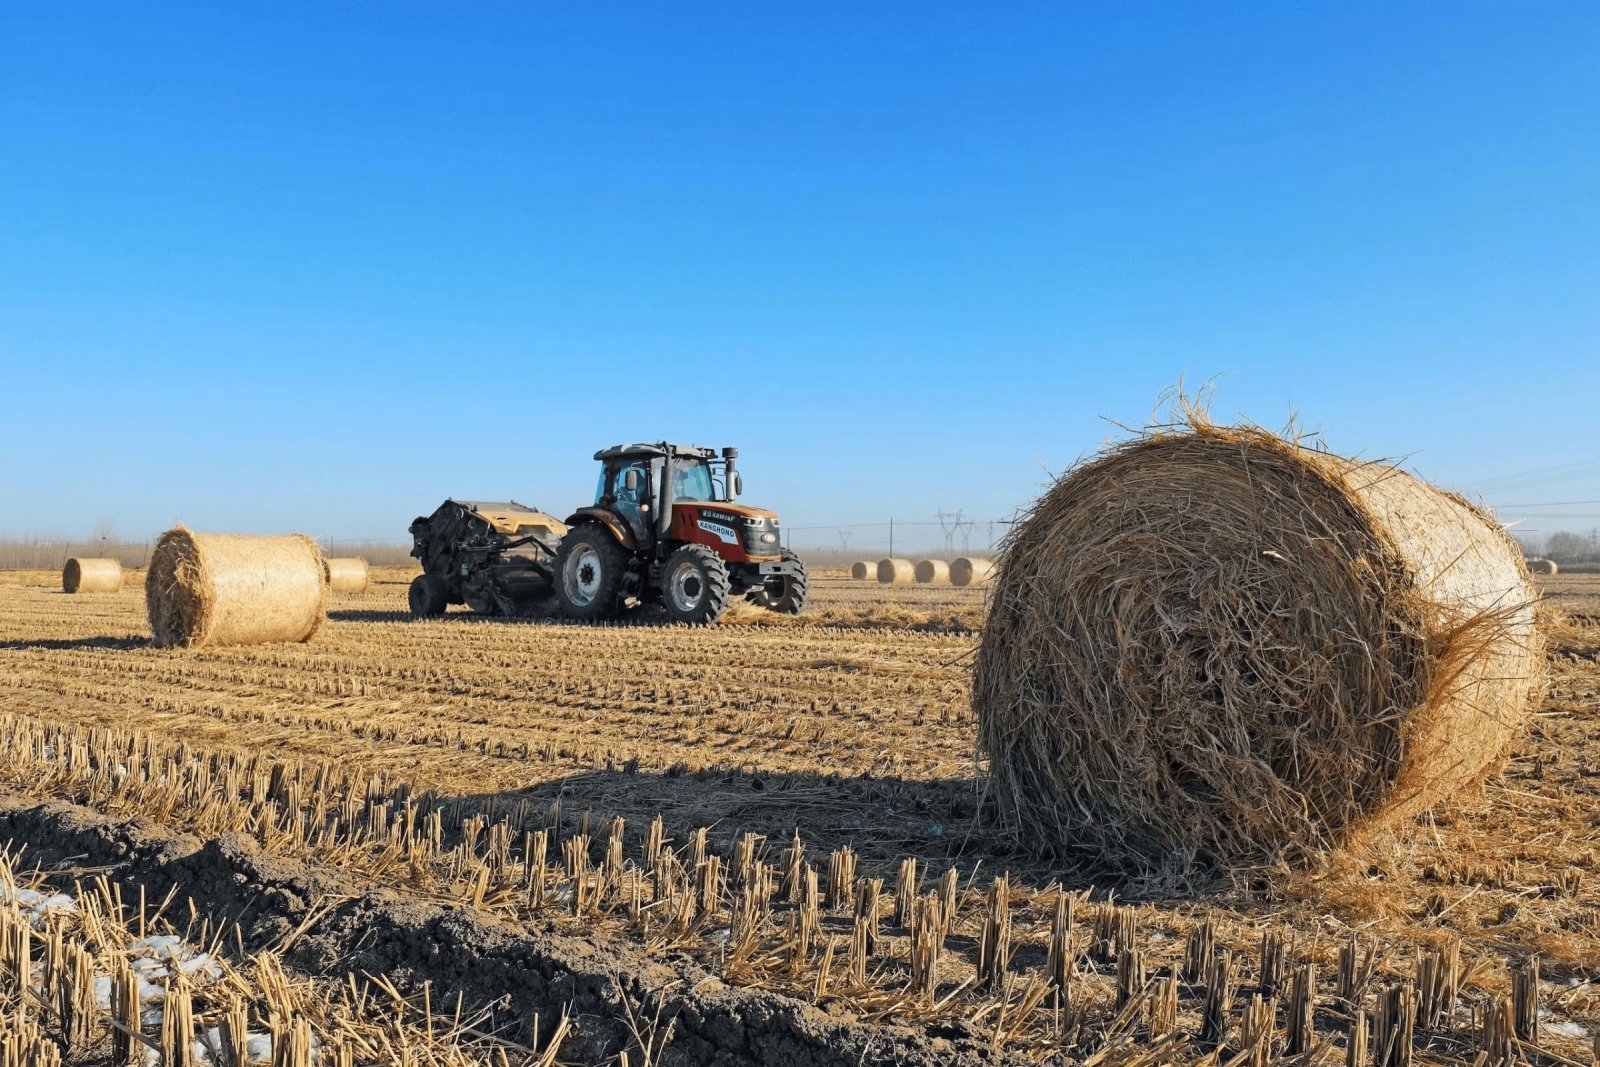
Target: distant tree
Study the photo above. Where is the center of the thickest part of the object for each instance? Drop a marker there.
(1566, 547)
(104, 531)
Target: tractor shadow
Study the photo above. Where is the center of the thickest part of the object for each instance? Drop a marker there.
(649, 616)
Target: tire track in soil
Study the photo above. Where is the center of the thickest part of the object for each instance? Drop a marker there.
(231, 880)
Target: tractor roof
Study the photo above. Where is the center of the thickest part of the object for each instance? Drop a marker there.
(660, 448)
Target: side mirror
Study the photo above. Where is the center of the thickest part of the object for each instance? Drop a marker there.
(631, 479)
(738, 484)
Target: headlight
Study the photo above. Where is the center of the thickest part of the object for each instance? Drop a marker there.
(769, 538)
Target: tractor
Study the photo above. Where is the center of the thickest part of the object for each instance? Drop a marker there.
(664, 527)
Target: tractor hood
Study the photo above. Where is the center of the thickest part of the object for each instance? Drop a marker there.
(743, 511)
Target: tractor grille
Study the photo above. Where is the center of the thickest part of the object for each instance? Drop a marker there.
(753, 531)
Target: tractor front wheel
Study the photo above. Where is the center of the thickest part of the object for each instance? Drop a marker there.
(590, 567)
(784, 593)
(695, 585)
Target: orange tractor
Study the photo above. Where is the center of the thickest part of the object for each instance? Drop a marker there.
(665, 526)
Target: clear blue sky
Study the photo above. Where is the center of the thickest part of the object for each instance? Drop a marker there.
(315, 267)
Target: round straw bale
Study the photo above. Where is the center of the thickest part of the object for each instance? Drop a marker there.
(1211, 645)
(1543, 566)
(971, 571)
(233, 589)
(346, 575)
(896, 572)
(929, 571)
(863, 571)
(91, 576)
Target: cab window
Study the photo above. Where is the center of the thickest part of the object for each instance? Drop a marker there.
(618, 478)
(692, 483)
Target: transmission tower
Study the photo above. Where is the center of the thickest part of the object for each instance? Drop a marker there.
(950, 522)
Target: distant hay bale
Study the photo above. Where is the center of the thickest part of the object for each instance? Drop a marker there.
(929, 571)
(347, 575)
(974, 570)
(863, 571)
(91, 576)
(896, 572)
(1213, 645)
(1545, 567)
(206, 589)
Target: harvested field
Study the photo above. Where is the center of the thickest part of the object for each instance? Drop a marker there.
(436, 802)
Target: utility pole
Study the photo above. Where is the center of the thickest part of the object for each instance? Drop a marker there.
(891, 537)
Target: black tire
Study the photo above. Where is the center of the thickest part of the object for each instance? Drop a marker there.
(694, 585)
(590, 567)
(784, 594)
(428, 596)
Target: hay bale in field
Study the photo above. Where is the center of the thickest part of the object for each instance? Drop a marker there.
(863, 571)
(896, 572)
(347, 575)
(972, 570)
(929, 571)
(1544, 567)
(1211, 644)
(91, 576)
(233, 589)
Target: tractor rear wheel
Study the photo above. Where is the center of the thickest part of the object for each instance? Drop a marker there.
(590, 567)
(428, 595)
(695, 585)
(786, 593)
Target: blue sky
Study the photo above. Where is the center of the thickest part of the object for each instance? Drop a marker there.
(315, 267)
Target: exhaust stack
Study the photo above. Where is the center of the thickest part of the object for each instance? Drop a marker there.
(728, 456)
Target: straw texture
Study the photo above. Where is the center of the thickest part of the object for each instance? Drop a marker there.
(932, 571)
(896, 572)
(1545, 567)
(91, 576)
(347, 575)
(863, 571)
(967, 571)
(207, 589)
(1213, 645)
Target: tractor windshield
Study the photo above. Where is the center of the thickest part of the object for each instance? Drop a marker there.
(692, 483)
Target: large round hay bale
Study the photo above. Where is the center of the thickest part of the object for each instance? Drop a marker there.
(1220, 647)
(863, 571)
(896, 572)
(347, 575)
(91, 576)
(929, 571)
(1544, 567)
(971, 570)
(233, 589)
